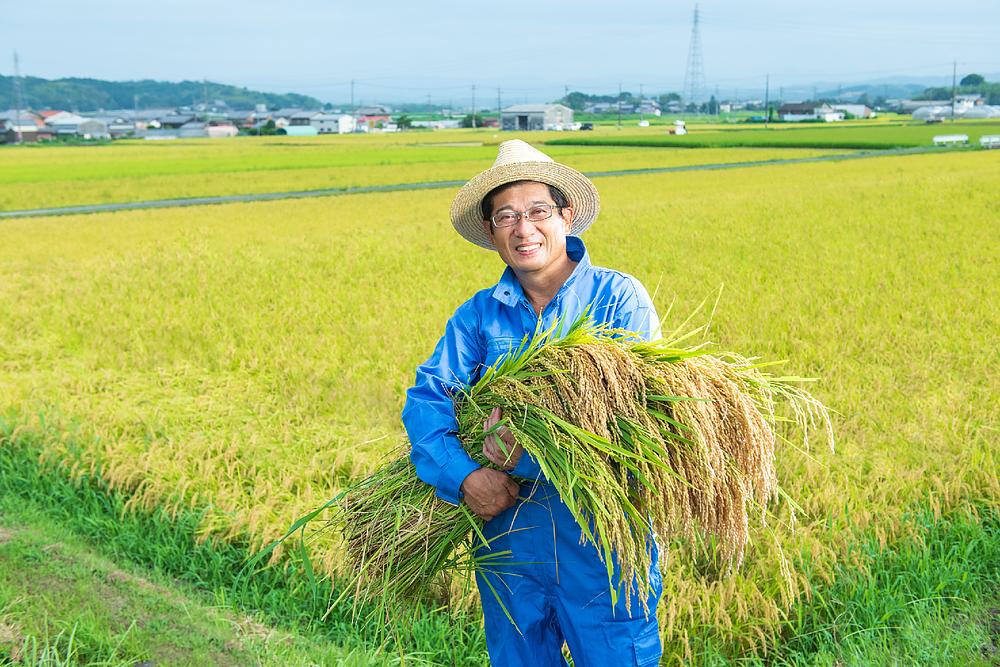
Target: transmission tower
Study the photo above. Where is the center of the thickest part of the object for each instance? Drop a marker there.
(694, 77)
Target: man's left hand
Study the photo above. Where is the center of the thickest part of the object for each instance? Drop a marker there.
(492, 448)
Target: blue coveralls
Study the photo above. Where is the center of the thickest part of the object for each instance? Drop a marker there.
(553, 587)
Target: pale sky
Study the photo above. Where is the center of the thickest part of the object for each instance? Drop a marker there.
(405, 51)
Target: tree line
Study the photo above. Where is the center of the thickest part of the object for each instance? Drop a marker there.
(92, 94)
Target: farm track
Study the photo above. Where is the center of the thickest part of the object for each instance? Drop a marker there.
(201, 201)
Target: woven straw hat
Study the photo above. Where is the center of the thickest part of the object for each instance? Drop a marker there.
(518, 161)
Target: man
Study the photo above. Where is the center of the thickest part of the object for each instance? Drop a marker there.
(539, 586)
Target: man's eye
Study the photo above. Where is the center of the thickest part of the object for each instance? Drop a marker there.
(505, 218)
(537, 212)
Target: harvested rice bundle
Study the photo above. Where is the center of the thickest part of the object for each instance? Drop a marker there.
(639, 439)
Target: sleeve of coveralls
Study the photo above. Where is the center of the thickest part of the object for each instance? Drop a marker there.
(429, 414)
(637, 314)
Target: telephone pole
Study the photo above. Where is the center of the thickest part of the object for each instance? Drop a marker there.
(17, 100)
(767, 109)
(352, 97)
(619, 105)
(499, 110)
(954, 78)
(473, 106)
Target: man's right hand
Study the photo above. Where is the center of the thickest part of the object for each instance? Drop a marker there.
(488, 492)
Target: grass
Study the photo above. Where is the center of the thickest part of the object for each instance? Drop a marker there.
(253, 357)
(141, 585)
(132, 171)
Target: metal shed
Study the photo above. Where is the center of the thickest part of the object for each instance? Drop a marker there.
(298, 131)
(532, 117)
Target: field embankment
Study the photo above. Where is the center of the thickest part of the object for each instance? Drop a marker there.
(249, 359)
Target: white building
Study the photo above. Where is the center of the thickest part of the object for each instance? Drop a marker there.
(330, 123)
(856, 110)
(795, 112)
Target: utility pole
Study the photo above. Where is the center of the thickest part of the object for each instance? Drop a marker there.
(499, 110)
(473, 106)
(954, 78)
(352, 97)
(767, 108)
(17, 100)
(717, 103)
(619, 105)
(640, 101)
(205, 81)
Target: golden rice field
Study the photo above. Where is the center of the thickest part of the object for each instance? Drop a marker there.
(254, 356)
(130, 171)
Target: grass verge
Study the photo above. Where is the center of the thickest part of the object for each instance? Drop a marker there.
(288, 596)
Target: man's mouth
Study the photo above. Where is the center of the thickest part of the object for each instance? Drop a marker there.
(528, 247)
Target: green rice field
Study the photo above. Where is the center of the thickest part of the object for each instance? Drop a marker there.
(178, 385)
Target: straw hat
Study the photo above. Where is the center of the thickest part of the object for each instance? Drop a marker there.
(518, 161)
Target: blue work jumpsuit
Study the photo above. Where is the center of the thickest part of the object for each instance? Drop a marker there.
(553, 587)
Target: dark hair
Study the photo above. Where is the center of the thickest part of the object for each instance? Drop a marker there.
(486, 206)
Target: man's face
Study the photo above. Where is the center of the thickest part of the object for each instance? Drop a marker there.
(529, 246)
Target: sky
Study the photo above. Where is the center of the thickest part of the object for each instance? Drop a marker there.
(532, 51)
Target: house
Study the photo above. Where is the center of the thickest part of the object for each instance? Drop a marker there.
(118, 126)
(283, 117)
(794, 112)
(329, 123)
(529, 117)
(240, 118)
(174, 121)
(372, 110)
(88, 128)
(26, 124)
(303, 117)
(438, 124)
(192, 129)
(56, 116)
(218, 128)
(856, 110)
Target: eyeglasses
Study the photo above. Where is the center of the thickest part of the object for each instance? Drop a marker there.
(536, 213)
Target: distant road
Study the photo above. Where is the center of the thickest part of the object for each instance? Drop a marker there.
(200, 201)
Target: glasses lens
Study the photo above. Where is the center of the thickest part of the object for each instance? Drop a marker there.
(538, 213)
(504, 219)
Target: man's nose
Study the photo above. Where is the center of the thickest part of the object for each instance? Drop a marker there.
(523, 225)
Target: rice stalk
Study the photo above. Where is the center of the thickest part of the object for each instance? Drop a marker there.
(640, 439)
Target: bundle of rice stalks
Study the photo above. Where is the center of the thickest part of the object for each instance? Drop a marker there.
(639, 438)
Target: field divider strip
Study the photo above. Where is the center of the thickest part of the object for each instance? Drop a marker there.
(267, 196)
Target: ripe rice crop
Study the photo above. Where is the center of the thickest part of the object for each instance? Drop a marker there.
(639, 439)
(253, 357)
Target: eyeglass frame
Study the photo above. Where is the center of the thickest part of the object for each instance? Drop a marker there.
(519, 214)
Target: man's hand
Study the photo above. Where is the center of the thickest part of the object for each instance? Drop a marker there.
(493, 450)
(488, 492)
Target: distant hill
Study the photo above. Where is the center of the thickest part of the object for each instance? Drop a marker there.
(92, 94)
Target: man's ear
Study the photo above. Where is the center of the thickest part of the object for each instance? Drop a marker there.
(567, 214)
(489, 230)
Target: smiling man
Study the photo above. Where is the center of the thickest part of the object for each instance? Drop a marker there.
(541, 587)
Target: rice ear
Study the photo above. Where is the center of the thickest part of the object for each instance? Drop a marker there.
(639, 439)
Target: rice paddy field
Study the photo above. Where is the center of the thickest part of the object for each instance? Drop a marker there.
(131, 171)
(231, 367)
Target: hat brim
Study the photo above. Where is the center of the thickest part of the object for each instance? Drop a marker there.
(466, 211)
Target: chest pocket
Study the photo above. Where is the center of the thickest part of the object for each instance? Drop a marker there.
(499, 348)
